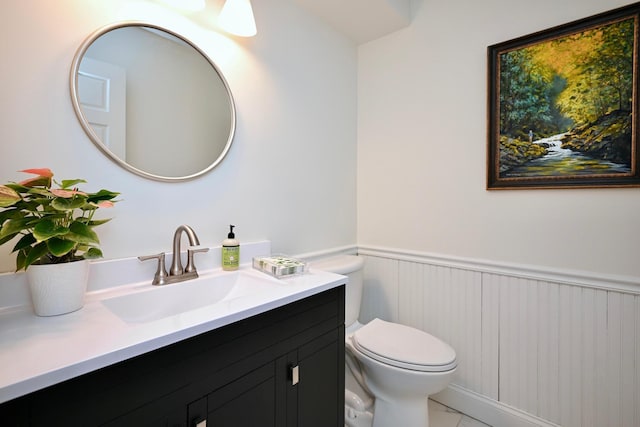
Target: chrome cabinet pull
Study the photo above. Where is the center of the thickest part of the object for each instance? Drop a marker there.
(295, 375)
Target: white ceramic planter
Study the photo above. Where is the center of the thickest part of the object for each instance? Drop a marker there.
(58, 288)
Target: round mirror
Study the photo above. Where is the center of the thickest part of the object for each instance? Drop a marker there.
(152, 101)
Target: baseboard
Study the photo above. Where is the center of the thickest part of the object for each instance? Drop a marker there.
(487, 410)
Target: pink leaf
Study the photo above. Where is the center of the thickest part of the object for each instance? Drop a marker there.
(46, 172)
(106, 204)
(67, 194)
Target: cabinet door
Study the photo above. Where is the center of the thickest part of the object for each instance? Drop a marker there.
(321, 381)
(168, 411)
(248, 401)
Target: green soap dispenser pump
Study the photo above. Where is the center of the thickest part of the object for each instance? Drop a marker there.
(230, 251)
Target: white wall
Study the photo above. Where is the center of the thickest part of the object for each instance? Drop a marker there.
(536, 290)
(289, 176)
(422, 149)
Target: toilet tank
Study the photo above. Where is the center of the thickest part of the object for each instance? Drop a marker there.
(350, 266)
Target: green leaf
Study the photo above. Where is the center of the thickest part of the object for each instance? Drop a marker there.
(13, 213)
(6, 238)
(102, 195)
(34, 205)
(38, 181)
(40, 192)
(62, 204)
(17, 187)
(47, 229)
(20, 260)
(36, 252)
(67, 183)
(14, 226)
(54, 215)
(82, 233)
(26, 241)
(59, 247)
(96, 222)
(8, 196)
(89, 207)
(93, 253)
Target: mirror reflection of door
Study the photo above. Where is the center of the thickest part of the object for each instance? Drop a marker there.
(179, 114)
(102, 95)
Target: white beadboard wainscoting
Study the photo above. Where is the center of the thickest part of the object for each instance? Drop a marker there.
(535, 348)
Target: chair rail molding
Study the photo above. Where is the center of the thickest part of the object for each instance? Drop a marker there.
(625, 284)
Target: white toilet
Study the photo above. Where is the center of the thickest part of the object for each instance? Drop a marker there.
(391, 369)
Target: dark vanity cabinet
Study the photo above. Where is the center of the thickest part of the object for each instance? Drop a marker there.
(282, 368)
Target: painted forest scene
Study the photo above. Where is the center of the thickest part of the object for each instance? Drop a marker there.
(565, 105)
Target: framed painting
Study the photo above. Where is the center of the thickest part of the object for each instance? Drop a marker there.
(563, 105)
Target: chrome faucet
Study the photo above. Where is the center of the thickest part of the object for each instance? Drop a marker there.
(177, 273)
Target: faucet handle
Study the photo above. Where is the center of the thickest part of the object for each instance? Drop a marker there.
(160, 278)
(191, 267)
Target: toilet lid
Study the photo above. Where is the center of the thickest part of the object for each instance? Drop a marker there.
(404, 347)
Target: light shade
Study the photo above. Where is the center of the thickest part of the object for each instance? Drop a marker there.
(187, 5)
(236, 18)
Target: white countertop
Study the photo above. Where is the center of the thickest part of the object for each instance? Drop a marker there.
(36, 352)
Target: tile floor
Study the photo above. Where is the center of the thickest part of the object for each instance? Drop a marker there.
(442, 416)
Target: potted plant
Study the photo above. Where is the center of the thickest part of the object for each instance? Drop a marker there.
(55, 231)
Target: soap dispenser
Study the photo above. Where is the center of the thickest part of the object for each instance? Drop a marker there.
(230, 251)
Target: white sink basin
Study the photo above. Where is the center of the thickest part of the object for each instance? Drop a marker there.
(158, 302)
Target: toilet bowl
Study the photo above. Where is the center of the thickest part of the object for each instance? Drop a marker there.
(391, 369)
(401, 367)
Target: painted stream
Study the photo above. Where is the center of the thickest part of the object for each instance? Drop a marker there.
(564, 162)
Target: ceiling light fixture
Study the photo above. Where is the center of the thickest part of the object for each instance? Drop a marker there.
(237, 18)
(186, 5)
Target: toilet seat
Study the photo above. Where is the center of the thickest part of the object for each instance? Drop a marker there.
(404, 347)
